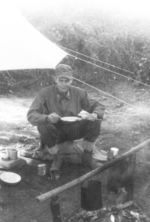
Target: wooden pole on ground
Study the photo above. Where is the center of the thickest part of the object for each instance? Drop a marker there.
(90, 174)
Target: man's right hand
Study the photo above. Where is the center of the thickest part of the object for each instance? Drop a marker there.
(53, 117)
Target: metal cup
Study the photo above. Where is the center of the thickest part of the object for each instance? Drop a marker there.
(115, 151)
(13, 154)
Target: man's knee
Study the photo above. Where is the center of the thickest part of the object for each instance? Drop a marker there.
(49, 134)
(42, 128)
(96, 125)
(93, 130)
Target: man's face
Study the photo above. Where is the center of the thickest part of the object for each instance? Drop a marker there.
(63, 83)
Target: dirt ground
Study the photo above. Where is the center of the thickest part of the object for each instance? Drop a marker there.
(123, 126)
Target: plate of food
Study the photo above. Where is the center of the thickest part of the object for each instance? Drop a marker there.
(10, 178)
(70, 118)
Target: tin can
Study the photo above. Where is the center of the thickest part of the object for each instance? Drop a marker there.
(12, 153)
(113, 153)
(42, 169)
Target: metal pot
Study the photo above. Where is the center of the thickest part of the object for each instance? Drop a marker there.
(91, 195)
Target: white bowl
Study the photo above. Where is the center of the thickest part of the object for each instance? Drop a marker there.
(70, 118)
(10, 178)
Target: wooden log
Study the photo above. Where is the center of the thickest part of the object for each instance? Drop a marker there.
(90, 174)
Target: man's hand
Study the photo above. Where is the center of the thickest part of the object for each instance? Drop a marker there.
(92, 116)
(88, 116)
(53, 118)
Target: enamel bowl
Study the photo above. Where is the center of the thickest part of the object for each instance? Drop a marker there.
(10, 178)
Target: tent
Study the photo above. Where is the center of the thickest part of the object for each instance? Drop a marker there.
(22, 46)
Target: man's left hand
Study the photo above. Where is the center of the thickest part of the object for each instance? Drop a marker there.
(89, 116)
(92, 116)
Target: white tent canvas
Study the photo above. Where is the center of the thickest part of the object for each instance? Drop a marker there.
(22, 46)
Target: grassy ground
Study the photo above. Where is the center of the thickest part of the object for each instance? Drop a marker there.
(123, 127)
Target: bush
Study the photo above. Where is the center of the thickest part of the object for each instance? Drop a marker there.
(89, 39)
(117, 41)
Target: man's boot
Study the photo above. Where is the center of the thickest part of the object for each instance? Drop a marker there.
(57, 162)
(54, 170)
(65, 152)
(89, 161)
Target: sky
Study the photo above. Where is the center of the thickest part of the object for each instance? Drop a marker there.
(128, 8)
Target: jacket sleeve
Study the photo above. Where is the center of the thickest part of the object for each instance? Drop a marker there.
(92, 105)
(38, 111)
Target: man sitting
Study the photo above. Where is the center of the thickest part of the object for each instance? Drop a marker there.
(64, 100)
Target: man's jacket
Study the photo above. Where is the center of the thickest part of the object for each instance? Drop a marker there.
(50, 101)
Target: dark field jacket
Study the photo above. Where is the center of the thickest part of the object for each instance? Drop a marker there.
(50, 101)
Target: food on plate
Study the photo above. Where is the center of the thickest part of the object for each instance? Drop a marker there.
(70, 118)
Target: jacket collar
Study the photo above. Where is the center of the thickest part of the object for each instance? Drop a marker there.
(60, 96)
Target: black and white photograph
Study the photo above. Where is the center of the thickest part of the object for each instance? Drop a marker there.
(74, 111)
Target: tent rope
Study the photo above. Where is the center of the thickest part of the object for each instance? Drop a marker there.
(129, 78)
(105, 92)
(96, 60)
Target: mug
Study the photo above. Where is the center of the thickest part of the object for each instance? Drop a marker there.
(114, 150)
(13, 154)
